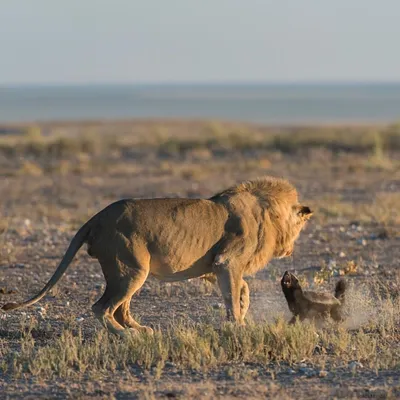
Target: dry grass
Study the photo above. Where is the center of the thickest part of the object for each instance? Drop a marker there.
(204, 149)
(383, 209)
(209, 137)
(203, 347)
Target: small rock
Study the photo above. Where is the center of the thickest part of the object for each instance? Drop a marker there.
(354, 365)
(342, 254)
(309, 372)
(331, 264)
(218, 305)
(79, 319)
(4, 290)
(322, 374)
(169, 364)
(318, 349)
(383, 235)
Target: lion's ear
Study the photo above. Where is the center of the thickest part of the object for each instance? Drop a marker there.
(305, 212)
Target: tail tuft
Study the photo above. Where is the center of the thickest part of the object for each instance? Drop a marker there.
(10, 306)
(209, 277)
(340, 289)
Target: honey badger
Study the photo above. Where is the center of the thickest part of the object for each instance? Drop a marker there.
(312, 305)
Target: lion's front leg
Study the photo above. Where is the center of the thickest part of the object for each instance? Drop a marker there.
(230, 285)
(244, 300)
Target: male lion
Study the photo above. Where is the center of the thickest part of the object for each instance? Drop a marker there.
(229, 235)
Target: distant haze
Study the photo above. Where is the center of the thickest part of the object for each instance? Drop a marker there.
(260, 103)
(148, 41)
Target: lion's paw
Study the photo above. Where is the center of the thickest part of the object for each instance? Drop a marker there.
(145, 329)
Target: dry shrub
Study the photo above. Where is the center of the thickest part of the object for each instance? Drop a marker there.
(30, 168)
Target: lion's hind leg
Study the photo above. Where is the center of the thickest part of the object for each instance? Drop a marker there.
(103, 310)
(113, 308)
(125, 275)
(124, 318)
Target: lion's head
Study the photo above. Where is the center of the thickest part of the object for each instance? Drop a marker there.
(289, 229)
(287, 215)
(284, 217)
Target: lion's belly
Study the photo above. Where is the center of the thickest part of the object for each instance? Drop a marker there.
(172, 269)
(160, 265)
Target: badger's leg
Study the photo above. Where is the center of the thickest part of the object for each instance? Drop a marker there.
(337, 314)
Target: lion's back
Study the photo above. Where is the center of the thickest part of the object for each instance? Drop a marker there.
(184, 229)
(170, 226)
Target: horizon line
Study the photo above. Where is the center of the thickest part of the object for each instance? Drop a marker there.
(202, 83)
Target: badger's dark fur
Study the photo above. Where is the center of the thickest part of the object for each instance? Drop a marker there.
(312, 305)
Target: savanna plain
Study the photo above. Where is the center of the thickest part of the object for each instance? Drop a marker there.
(54, 176)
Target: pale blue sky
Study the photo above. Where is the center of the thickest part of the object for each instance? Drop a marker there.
(94, 41)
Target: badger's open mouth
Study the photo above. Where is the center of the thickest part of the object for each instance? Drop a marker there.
(287, 279)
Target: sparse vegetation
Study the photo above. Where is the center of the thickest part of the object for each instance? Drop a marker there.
(203, 347)
(214, 137)
(56, 176)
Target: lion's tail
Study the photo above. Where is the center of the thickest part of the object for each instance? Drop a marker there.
(340, 290)
(76, 243)
(209, 277)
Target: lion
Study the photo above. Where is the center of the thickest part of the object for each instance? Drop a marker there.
(230, 235)
(312, 305)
